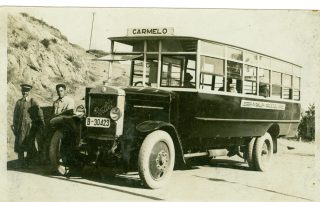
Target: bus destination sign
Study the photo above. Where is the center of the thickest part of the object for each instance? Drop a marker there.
(262, 105)
(160, 31)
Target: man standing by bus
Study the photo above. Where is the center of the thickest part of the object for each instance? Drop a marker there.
(27, 121)
(63, 104)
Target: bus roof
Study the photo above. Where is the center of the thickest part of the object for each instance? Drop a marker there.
(129, 38)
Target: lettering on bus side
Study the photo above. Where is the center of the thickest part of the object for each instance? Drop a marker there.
(150, 31)
(262, 105)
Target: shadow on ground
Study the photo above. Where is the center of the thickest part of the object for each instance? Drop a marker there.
(108, 179)
(108, 175)
(101, 175)
(254, 187)
(228, 163)
(100, 178)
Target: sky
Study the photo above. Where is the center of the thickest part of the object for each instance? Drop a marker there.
(292, 35)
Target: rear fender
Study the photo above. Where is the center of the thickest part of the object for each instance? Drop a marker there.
(150, 126)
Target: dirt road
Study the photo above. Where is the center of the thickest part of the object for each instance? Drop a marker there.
(291, 179)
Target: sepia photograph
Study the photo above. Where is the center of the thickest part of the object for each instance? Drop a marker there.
(161, 104)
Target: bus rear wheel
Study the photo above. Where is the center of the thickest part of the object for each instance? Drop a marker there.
(249, 153)
(156, 159)
(263, 152)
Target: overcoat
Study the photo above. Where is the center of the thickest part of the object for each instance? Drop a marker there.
(27, 120)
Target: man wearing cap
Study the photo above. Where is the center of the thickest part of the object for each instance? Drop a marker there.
(64, 104)
(27, 121)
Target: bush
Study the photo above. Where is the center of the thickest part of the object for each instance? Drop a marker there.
(23, 44)
(70, 58)
(306, 128)
(54, 40)
(41, 22)
(24, 14)
(45, 42)
(63, 37)
(76, 64)
(97, 53)
(31, 38)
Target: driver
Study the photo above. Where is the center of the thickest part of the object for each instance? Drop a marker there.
(63, 104)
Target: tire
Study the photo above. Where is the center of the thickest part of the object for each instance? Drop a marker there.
(263, 152)
(58, 157)
(156, 159)
(250, 159)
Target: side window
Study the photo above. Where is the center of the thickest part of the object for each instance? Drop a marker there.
(250, 80)
(234, 77)
(189, 78)
(276, 84)
(137, 72)
(151, 71)
(296, 88)
(178, 71)
(171, 72)
(264, 82)
(212, 73)
(286, 86)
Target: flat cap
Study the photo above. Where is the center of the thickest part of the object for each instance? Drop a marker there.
(26, 87)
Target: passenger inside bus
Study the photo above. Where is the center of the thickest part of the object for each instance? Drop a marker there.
(264, 90)
(232, 88)
(232, 85)
(187, 81)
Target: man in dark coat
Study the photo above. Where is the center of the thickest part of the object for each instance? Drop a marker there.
(27, 121)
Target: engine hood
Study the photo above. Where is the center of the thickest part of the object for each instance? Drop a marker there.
(149, 93)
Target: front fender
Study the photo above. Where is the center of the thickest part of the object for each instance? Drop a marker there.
(150, 126)
(64, 121)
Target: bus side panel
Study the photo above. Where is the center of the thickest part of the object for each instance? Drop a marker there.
(217, 129)
(211, 116)
(229, 107)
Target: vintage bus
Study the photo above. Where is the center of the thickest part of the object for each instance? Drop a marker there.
(187, 98)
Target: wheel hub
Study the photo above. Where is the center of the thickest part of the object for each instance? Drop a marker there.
(159, 160)
(264, 151)
(162, 160)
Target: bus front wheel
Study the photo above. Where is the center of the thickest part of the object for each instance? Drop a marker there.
(59, 154)
(156, 159)
(263, 152)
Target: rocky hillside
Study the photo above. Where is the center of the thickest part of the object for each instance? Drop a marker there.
(41, 55)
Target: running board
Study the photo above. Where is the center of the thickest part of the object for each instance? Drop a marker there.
(196, 154)
(211, 153)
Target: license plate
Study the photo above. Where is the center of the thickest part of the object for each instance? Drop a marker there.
(98, 122)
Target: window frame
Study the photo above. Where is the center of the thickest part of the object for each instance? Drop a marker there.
(213, 74)
(261, 63)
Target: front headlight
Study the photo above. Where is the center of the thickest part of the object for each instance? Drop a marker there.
(80, 110)
(115, 113)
